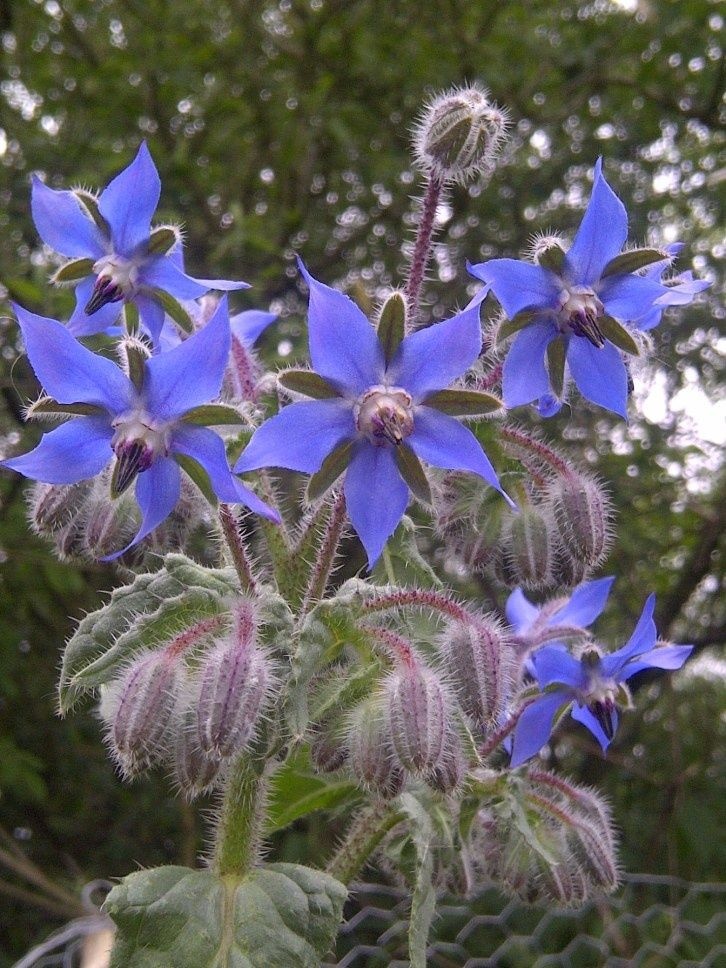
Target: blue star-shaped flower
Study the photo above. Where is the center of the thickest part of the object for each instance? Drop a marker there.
(573, 304)
(579, 610)
(122, 261)
(384, 410)
(145, 424)
(589, 685)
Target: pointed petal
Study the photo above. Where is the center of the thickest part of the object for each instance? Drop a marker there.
(75, 451)
(444, 442)
(250, 325)
(628, 297)
(81, 324)
(586, 603)
(600, 374)
(189, 374)
(520, 612)
(662, 657)
(519, 285)
(299, 437)
(535, 725)
(161, 273)
(157, 492)
(525, 377)
(68, 371)
(583, 715)
(153, 319)
(431, 359)
(207, 448)
(642, 640)
(223, 285)
(61, 223)
(552, 663)
(376, 497)
(344, 347)
(601, 235)
(129, 202)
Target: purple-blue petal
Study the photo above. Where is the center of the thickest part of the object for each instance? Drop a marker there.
(549, 405)
(431, 359)
(299, 437)
(376, 496)
(524, 376)
(520, 612)
(628, 297)
(582, 714)
(344, 346)
(62, 224)
(249, 325)
(152, 316)
(586, 603)
(599, 373)
(519, 285)
(80, 324)
(662, 657)
(67, 370)
(552, 663)
(534, 726)
(73, 452)
(642, 640)
(129, 202)
(157, 492)
(161, 273)
(190, 374)
(601, 235)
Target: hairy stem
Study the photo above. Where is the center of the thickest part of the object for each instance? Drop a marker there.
(327, 551)
(240, 822)
(365, 834)
(422, 247)
(536, 447)
(230, 529)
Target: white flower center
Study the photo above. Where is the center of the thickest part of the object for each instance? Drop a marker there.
(117, 279)
(384, 415)
(579, 312)
(137, 441)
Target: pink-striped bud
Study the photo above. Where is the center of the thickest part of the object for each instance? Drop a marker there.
(449, 772)
(530, 547)
(195, 771)
(328, 751)
(419, 715)
(583, 515)
(52, 506)
(479, 661)
(370, 749)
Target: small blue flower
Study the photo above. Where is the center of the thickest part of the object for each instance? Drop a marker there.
(125, 265)
(590, 685)
(572, 304)
(579, 610)
(144, 426)
(384, 410)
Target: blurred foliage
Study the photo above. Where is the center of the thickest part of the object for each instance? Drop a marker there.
(283, 127)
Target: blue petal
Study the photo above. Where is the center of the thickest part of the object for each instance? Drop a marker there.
(62, 225)
(519, 285)
(376, 497)
(583, 715)
(548, 405)
(80, 324)
(479, 298)
(299, 437)
(535, 725)
(190, 374)
(520, 612)
(649, 320)
(152, 316)
(662, 657)
(642, 640)
(161, 273)
(524, 377)
(73, 452)
(344, 347)
(129, 202)
(552, 663)
(442, 441)
(586, 603)
(682, 292)
(207, 448)
(157, 493)
(628, 297)
(250, 325)
(599, 373)
(68, 371)
(601, 235)
(431, 359)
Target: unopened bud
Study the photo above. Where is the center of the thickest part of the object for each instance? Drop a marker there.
(479, 660)
(109, 525)
(52, 506)
(458, 134)
(583, 515)
(529, 545)
(327, 748)
(449, 772)
(370, 748)
(195, 771)
(419, 714)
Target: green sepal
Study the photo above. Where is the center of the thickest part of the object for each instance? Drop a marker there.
(173, 308)
(556, 365)
(552, 258)
(331, 469)
(511, 326)
(131, 318)
(47, 407)
(90, 203)
(72, 271)
(464, 403)
(633, 260)
(392, 324)
(162, 240)
(197, 474)
(212, 415)
(308, 383)
(618, 335)
(136, 359)
(413, 473)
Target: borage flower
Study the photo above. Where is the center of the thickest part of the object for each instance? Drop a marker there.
(382, 404)
(591, 685)
(566, 309)
(114, 250)
(150, 424)
(539, 623)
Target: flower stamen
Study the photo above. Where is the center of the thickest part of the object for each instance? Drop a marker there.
(384, 415)
(579, 313)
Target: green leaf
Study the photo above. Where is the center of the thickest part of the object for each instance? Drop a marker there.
(72, 271)
(409, 566)
(295, 794)
(162, 240)
(275, 916)
(511, 326)
(632, 261)
(556, 365)
(619, 335)
(212, 415)
(173, 308)
(392, 324)
(308, 383)
(464, 403)
(423, 900)
(330, 470)
(49, 408)
(413, 473)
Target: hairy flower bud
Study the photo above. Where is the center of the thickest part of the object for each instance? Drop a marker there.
(419, 714)
(327, 748)
(583, 514)
(370, 749)
(109, 525)
(458, 134)
(479, 661)
(194, 770)
(52, 506)
(449, 772)
(529, 546)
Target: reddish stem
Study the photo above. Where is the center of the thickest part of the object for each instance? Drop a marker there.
(422, 246)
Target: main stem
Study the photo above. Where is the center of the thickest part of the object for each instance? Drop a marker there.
(240, 821)
(422, 247)
(365, 834)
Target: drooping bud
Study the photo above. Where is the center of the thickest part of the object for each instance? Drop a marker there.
(529, 545)
(419, 713)
(138, 710)
(328, 751)
(469, 522)
(449, 772)
(458, 134)
(479, 661)
(52, 506)
(370, 748)
(583, 516)
(109, 525)
(194, 770)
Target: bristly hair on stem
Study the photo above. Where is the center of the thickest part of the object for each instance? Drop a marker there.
(422, 245)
